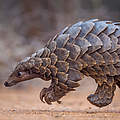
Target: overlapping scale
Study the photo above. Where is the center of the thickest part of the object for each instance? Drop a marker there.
(62, 77)
(89, 60)
(110, 29)
(99, 27)
(98, 58)
(73, 31)
(95, 42)
(61, 40)
(74, 50)
(114, 43)
(106, 42)
(86, 28)
(117, 33)
(75, 64)
(74, 75)
(108, 58)
(62, 53)
(83, 43)
(62, 66)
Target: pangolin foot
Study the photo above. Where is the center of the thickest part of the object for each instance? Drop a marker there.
(95, 100)
(103, 95)
(51, 94)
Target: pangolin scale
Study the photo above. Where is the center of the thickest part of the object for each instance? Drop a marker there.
(87, 48)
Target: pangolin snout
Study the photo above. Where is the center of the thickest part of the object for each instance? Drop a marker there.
(6, 84)
(9, 84)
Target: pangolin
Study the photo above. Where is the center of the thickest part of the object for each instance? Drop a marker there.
(87, 48)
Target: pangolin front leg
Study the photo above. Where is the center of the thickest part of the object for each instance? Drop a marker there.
(103, 95)
(53, 93)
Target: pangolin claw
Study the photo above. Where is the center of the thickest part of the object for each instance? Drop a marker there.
(52, 94)
(59, 102)
(46, 96)
(42, 94)
(47, 100)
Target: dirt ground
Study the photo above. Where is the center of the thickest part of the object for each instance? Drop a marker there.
(25, 105)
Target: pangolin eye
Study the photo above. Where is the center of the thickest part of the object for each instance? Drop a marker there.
(19, 74)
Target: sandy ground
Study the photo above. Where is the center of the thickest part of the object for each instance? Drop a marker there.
(25, 105)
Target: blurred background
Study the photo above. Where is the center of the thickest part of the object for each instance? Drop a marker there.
(26, 25)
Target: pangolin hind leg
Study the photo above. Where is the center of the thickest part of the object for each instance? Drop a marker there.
(104, 94)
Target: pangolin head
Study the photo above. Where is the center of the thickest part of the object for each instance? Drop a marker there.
(31, 67)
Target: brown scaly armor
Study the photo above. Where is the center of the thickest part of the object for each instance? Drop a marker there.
(90, 48)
